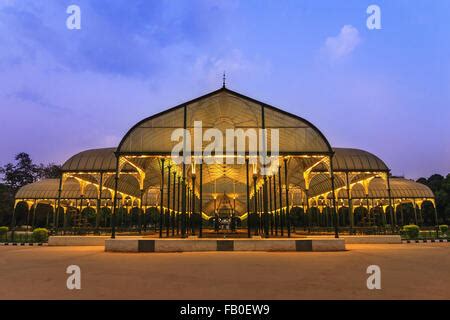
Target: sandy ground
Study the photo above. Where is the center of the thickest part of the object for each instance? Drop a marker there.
(409, 271)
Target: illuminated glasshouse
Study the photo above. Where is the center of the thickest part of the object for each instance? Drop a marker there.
(137, 187)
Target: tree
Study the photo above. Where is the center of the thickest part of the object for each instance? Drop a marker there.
(441, 188)
(24, 171)
(21, 173)
(15, 175)
(50, 171)
(6, 202)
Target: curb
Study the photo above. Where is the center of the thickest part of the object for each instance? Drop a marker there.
(24, 244)
(424, 241)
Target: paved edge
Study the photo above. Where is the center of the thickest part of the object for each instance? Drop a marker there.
(187, 245)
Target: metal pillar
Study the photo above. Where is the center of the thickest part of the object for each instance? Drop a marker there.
(288, 219)
(161, 206)
(178, 205)
(368, 209)
(248, 199)
(265, 208)
(419, 207)
(99, 201)
(275, 204)
(349, 203)
(281, 202)
(183, 203)
(200, 204)
(140, 214)
(261, 210)
(270, 204)
(172, 217)
(308, 212)
(402, 215)
(193, 215)
(167, 216)
(114, 213)
(415, 213)
(333, 190)
(391, 208)
(33, 220)
(436, 219)
(47, 218)
(255, 200)
(55, 226)
(81, 209)
(188, 216)
(183, 183)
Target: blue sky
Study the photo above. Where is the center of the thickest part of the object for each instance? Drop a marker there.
(386, 91)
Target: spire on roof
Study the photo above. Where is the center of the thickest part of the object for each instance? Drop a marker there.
(224, 78)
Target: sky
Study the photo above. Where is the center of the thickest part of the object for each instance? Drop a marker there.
(386, 91)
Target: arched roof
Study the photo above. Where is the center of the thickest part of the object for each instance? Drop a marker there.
(48, 189)
(400, 188)
(356, 160)
(223, 109)
(102, 159)
(347, 159)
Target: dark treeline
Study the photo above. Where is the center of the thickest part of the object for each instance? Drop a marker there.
(440, 186)
(17, 174)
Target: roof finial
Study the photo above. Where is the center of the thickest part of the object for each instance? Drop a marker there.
(224, 80)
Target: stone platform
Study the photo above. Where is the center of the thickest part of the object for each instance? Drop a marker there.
(195, 245)
(372, 239)
(82, 240)
(211, 244)
(367, 239)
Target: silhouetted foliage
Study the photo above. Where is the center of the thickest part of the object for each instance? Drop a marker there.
(441, 187)
(15, 175)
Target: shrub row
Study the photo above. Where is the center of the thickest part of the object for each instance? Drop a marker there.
(412, 231)
(38, 235)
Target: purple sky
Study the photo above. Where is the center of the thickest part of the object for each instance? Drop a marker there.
(385, 91)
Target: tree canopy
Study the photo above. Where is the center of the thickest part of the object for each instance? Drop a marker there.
(17, 174)
(440, 186)
(23, 171)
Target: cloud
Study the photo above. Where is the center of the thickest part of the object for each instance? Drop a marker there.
(35, 98)
(343, 44)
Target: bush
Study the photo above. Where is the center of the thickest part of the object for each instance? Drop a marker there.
(427, 234)
(40, 235)
(443, 228)
(412, 231)
(3, 232)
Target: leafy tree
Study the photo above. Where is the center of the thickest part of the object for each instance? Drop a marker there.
(441, 187)
(20, 173)
(50, 171)
(6, 202)
(15, 175)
